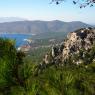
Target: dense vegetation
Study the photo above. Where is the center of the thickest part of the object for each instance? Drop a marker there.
(19, 76)
(36, 55)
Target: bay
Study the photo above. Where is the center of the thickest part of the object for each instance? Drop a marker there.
(19, 38)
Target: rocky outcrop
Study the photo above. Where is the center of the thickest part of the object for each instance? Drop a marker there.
(82, 39)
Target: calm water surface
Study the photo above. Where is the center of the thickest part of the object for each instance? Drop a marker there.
(19, 38)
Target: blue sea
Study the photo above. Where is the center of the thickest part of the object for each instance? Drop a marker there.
(19, 38)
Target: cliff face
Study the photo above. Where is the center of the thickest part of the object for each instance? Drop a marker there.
(82, 39)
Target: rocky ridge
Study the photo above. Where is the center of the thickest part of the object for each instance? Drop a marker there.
(82, 39)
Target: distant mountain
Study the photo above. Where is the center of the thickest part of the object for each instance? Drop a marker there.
(10, 19)
(38, 27)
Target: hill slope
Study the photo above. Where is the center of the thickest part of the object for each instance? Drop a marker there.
(37, 27)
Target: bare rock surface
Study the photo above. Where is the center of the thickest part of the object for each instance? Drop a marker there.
(80, 39)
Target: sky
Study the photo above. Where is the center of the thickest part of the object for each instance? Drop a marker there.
(43, 10)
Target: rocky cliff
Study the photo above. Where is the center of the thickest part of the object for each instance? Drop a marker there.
(79, 42)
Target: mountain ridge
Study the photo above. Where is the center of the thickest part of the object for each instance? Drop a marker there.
(11, 19)
(37, 27)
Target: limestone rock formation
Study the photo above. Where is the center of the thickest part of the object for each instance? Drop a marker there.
(80, 39)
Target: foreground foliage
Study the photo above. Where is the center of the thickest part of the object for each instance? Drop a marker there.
(24, 78)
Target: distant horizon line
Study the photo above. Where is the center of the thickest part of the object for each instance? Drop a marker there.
(29, 19)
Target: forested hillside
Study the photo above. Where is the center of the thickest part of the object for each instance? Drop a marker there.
(19, 75)
(38, 27)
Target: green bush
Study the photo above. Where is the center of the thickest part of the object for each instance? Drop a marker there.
(21, 77)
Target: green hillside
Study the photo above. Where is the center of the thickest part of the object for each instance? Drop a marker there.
(20, 76)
